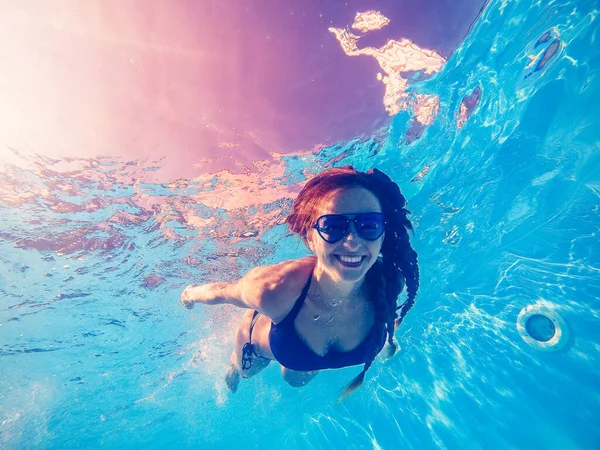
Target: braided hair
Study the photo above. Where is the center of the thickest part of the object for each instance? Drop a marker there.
(397, 266)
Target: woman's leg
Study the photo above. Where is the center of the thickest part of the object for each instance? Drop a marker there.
(297, 379)
(238, 368)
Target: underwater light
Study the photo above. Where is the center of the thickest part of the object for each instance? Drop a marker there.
(542, 328)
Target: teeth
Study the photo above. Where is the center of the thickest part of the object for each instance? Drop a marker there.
(351, 259)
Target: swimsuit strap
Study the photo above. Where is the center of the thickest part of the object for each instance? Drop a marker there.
(254, 320)
(296, 309)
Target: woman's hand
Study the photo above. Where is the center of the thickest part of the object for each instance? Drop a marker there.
(189, 296)
(389, 350)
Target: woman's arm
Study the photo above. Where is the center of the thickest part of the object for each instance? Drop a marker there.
(236, 293)
(271, 290)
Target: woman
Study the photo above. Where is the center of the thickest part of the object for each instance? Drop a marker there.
(334, 309)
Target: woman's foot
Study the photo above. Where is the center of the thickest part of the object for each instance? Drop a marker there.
(232, 379)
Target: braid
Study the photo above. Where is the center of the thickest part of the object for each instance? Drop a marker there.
(400, 260)
(401, 266)
(411, 269)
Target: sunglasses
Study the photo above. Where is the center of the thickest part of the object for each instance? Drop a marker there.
(333, 227)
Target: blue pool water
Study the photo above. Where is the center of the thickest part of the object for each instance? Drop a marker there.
(96, 352)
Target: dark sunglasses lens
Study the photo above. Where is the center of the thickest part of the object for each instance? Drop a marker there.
(332, 228)
(370, 226)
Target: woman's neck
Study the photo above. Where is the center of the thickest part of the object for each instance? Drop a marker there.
(333, 292)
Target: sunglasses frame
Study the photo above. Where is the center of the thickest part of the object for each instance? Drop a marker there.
(348, 220)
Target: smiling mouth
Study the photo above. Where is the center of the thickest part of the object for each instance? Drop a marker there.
(350, 261)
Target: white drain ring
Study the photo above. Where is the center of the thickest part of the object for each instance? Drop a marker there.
(561, 330)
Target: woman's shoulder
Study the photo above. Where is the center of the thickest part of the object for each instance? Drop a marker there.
(278, 286)
(285, 276)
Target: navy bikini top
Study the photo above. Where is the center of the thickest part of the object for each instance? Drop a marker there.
(293, 353)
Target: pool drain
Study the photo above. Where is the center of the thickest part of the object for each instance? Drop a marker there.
(542, 328)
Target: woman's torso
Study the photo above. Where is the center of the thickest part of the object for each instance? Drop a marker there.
(313, 337)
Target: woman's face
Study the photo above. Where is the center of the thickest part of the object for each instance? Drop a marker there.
(333, 257)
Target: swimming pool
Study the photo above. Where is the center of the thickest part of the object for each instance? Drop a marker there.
(95, 350)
